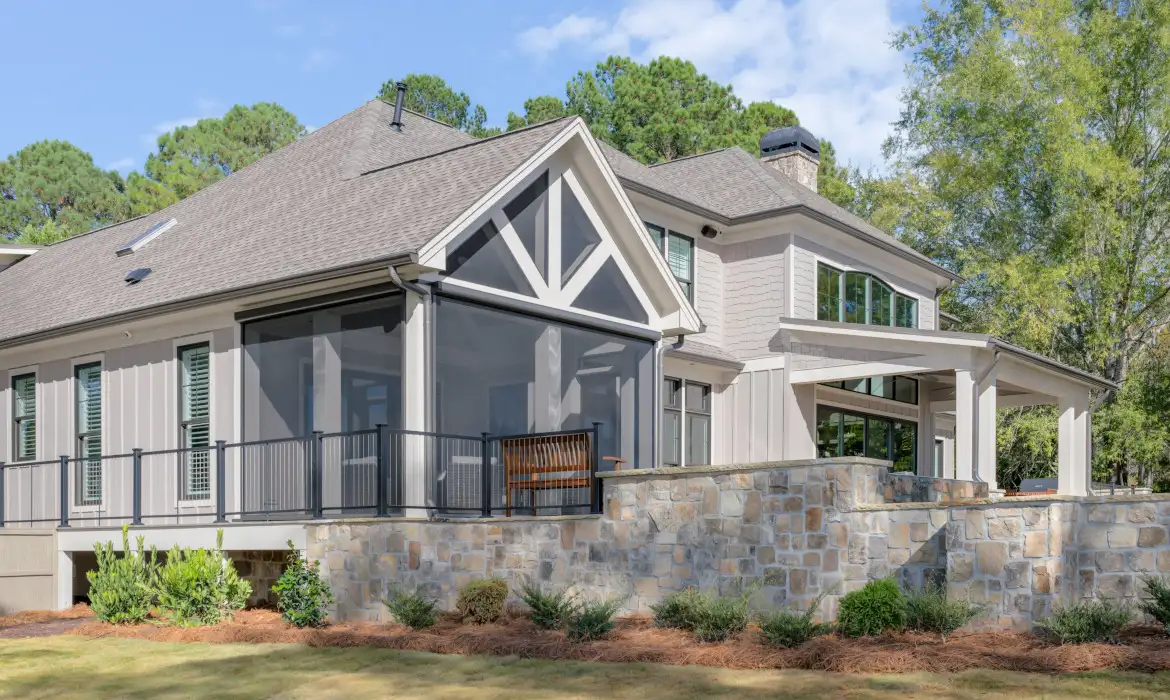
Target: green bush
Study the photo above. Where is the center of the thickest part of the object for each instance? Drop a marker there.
(1091, 621)
(789, 628)
(121, 590)
(301, 594)
(929, 610)
(482, 601)
(548, 611)
(876, 608)
(410, 608)
(593, 620)
(200, 586)
(723, 618)
(1157, 604)
(681, 610)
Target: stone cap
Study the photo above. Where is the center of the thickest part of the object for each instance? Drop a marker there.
(1038, 500)
(744, 467)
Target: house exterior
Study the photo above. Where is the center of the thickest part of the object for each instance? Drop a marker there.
(352, 325)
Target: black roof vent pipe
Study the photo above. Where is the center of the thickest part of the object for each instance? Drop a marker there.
(397, 123)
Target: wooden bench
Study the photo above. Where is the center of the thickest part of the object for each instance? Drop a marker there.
(546, 462)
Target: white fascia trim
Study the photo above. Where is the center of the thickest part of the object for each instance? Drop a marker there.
(434, 253)
(689, 318)
(18, 251)
(542, 302)
(876, 332)
(762, 363)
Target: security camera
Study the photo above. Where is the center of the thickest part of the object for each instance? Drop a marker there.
(709, 231)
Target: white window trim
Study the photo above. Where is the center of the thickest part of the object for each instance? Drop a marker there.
(176, 372)
(10, 397)
(74, 363)
(665, 247)
(682, 412)
(864, 269)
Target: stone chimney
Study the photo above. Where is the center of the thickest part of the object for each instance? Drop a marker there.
(794, 151)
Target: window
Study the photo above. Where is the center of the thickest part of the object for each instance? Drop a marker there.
(857, 297)
(24, 416)
(848, 434)
(898, 388)
(679, 251)
(195, 417)
(88, 392)
(686, 422)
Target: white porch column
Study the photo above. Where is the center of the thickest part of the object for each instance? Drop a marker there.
(925, 431)
(414, 405)
(800, 418)
(964, 424)
(985, 419)
(1073, 445)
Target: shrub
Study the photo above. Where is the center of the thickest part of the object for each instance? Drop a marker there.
(681, 610)
(548, 611)
(722, 618)
(1157, 604)
(593, 620)
(1091, 621)
(122, 588)
(929, 610)
(301, 594)
(200, 586)
(482, 601)
(410, 608)
(789, 628)
(875, 608)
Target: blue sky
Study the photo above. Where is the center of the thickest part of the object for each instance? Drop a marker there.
(110, 80)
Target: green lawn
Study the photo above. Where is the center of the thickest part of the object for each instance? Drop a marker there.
(77, 667)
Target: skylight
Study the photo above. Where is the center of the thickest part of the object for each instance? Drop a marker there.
(147, 236)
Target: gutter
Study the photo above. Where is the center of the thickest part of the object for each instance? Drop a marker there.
(396, 280)
(1048, 362)
(208, 299)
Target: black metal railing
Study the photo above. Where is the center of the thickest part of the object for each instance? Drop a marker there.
(378, 472)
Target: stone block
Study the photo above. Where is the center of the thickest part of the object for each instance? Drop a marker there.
(752, 507)
(730, 505)
(775, 576)
(1164, 560)
(1004, 528)
(838, 534)
(878, 545)
(1142, 513)
(975, 528)
(899, 535)
(1035, 544)
(991, 557)
(1101, 513)
(1093, 537)
(812, 519)
(830, 561)
(1123, 536)
(858, 553)
(1041, 580)
(919, 532)
(1017, 574)
(1140, 560)
(962, 566)
(1153, 536)
(710, 502)
(1114, 586)
(765, 555)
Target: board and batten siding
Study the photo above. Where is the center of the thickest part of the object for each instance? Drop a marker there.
(754, 287)
(750, 420)
(140, 409)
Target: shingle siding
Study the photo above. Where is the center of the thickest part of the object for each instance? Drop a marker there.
(804, 283)
(753, 286)
(709, 300)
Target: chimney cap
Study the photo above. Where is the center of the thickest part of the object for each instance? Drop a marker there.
(788, 139)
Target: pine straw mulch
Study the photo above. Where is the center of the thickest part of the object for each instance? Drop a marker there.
(637, 639)
(33, 617)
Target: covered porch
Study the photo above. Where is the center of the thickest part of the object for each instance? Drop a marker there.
(962, 380)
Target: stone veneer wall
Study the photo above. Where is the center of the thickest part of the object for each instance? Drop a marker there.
(261, 568)
(794, 529)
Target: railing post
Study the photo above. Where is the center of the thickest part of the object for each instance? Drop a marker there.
(221, 481)
(1, 494)
(318, 475)
(383, 468)
(485, 477)
(137, 492)
(596, 505)
(64, 491)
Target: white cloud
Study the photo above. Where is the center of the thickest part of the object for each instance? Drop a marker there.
(206, 107)
(828, 60)
(122, 164)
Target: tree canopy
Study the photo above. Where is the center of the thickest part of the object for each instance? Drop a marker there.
(56, 183)
(1031, 155)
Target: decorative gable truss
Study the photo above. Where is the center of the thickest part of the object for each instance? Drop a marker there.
(546, 239)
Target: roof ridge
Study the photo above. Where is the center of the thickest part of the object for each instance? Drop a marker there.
(690, 157)
(429, 118)
(469, 144)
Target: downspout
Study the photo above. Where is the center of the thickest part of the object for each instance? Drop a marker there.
(397, 281)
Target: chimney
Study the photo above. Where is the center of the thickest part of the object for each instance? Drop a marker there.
(794, 151)
(397, 123)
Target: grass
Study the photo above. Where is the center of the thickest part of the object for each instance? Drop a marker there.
(69, 667)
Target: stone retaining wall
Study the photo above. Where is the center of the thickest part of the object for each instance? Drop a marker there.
(792, 529)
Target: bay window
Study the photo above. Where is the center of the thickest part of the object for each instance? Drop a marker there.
(858, 297)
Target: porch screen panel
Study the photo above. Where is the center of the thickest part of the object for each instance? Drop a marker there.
(334, 369)
(195, 413)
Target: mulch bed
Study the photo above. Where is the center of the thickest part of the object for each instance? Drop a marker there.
(33, 617)
(635, 639)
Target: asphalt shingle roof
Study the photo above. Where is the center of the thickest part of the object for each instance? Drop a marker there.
(352, 192)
